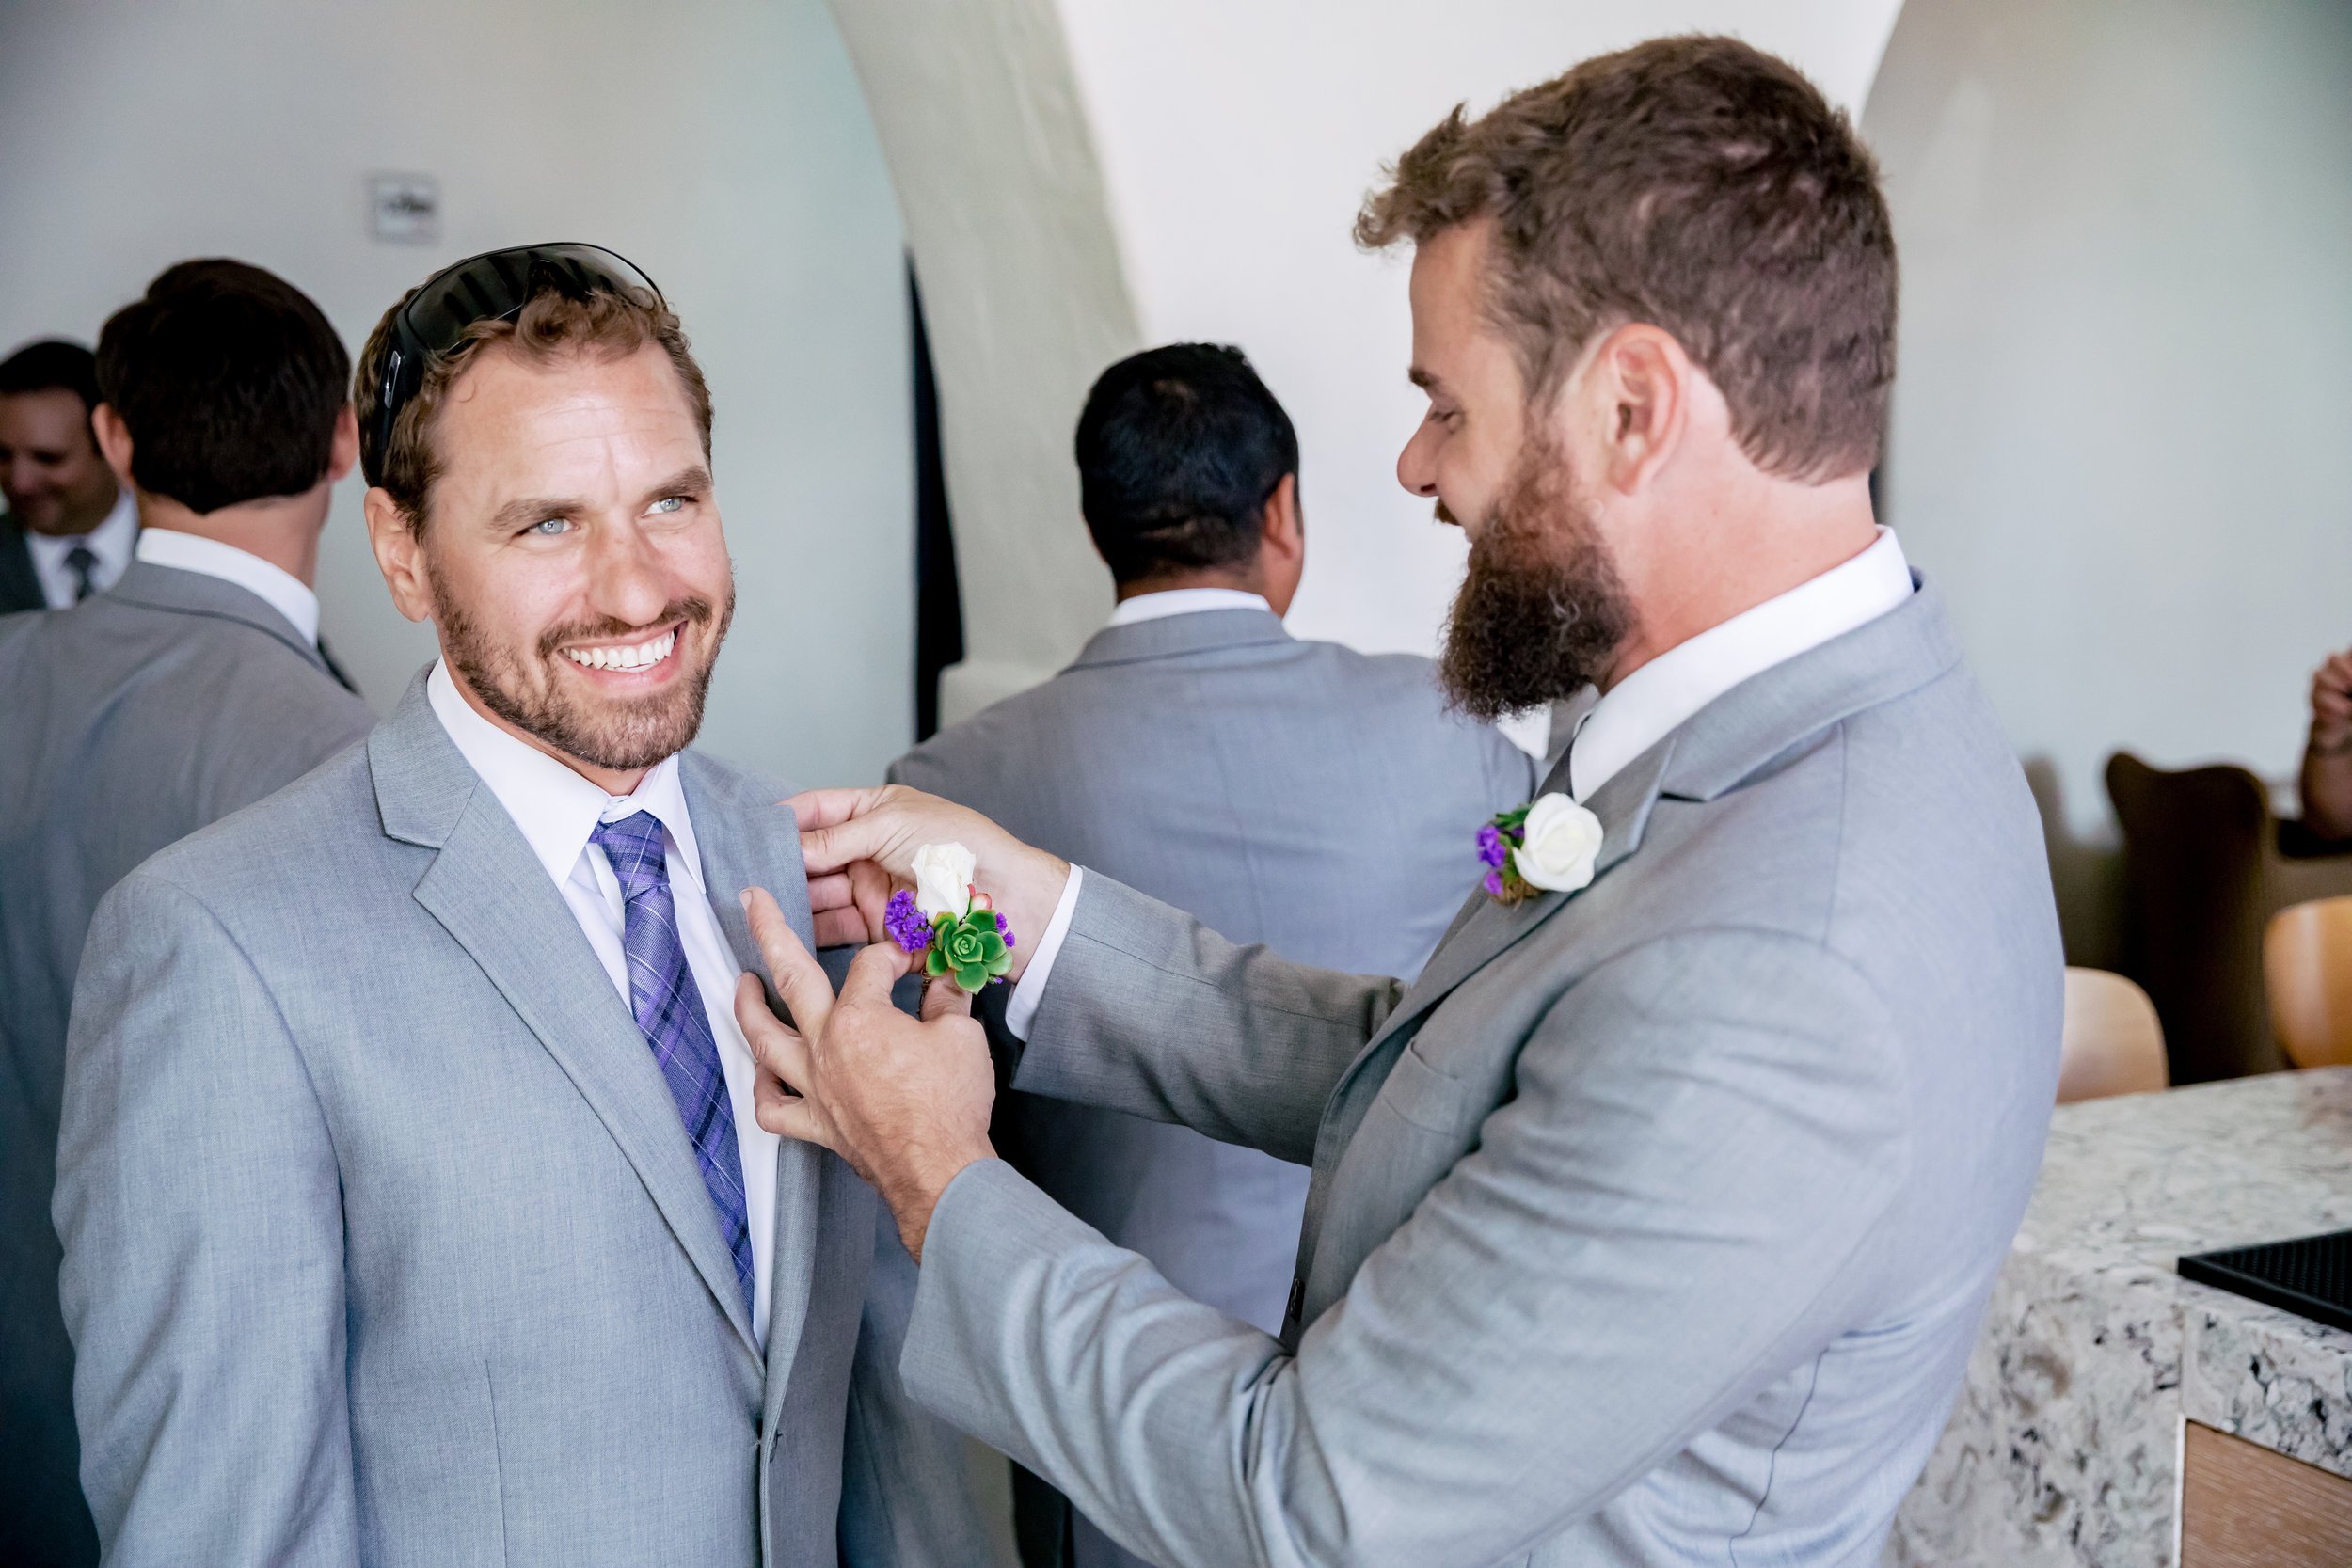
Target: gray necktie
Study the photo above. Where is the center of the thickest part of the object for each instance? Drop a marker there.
(83, 562)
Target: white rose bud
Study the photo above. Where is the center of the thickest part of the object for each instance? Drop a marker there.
(1560, 844)
(942, 880)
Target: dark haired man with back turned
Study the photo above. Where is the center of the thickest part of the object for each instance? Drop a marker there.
(1273, 788)
(69, 527)
(413, 1205)
(193, 687)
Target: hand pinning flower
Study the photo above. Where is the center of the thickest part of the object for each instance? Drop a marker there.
(950, 922)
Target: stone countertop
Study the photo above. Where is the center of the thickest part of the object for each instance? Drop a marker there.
(2064, 1446)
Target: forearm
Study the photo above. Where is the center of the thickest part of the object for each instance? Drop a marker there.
(2326, 787)
(1680, 1166)
(1150, 1012)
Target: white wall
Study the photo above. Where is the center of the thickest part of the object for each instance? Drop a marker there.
(722, 144)
(1238, 138)
(2122, 428)
(1083, 177)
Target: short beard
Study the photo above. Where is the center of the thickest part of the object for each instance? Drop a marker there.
(621, 736)
(1542, 612)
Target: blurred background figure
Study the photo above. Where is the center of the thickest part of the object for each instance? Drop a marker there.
(195, 686)
(2326, 774)
(68, 526)
(1288, 792)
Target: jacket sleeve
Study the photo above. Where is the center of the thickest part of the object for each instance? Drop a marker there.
(1147, 1011)
(906, 1498)
(200, 1206)
(1704, 1135)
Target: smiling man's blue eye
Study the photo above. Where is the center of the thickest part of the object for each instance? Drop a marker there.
(668, 503)
(549, 527)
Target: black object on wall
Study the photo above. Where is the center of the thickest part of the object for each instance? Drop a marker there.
(938, 598)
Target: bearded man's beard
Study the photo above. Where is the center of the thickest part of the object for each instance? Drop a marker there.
(1542, 611)
(619, 732)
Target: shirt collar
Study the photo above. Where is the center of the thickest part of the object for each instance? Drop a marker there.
(555, 807)
(273, 586)
(1184, 601)
(1655, 700)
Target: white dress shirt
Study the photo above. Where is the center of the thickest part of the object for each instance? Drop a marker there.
(557, 809)
(1639, 710)
(110, 542)
(1648, 705)
(273, 586)
(1184, 601)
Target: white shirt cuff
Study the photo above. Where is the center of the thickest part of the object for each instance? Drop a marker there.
(1021, 1011)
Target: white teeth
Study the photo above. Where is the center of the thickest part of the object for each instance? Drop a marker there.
(643, 656)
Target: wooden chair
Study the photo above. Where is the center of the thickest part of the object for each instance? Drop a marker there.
(2307, 971)
(2206, 866)
(2112, 1043)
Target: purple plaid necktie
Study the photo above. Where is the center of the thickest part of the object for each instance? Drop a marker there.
(669, 1009)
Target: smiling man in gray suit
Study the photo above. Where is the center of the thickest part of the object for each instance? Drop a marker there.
(1652, 1225)
(1197, 753)
(194, 687)
(414, 1210)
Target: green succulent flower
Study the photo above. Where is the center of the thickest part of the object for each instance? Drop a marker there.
(971, 949)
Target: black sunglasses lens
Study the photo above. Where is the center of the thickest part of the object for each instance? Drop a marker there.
(494, 286)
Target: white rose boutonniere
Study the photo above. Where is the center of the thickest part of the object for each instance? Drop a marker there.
(942, 881)
(1548, 846)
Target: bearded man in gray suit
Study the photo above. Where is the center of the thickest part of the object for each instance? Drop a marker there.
(1197, 752)
(1653, 1223)
(194, 687)
(413, 1207)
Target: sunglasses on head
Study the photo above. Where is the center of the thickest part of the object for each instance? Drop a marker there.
(493, 286)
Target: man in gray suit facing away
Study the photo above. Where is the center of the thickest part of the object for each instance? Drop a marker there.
(413, 1205)
(1652, 1224)
(194, 687)
(1198, 753)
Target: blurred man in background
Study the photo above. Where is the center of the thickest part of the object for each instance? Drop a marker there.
(68, 526)
(1276, 789)
(193, 687)
(2327, 777)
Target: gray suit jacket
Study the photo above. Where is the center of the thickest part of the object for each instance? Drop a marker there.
(1272, 790)
(126, 722)
(384, 1244)
(20, 584)
(1651, 1225)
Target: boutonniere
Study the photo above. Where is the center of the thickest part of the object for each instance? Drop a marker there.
(1547, 845)
(950, 922)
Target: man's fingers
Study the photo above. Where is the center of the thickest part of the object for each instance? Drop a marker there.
(799, 980)
(823, 808)
(842, 929)
(778, 1048)
(872, 973)
(943, 998)
(869, 890)
(832, 891)
(791, 1117)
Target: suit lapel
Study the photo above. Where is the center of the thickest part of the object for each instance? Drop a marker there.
(494, 898)
(20, 584)
(1483, 933)
(750, 843)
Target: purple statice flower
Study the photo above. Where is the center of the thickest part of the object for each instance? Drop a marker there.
(1494, 883)
(1003, 927)
(905, 922)
(1490, 848)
